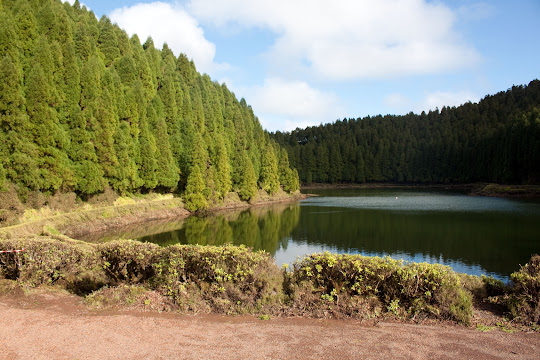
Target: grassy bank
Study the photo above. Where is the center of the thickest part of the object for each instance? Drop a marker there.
(91, 218)
(236, 280)
(74, 218)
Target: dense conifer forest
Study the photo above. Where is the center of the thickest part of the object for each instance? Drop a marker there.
(495, 140)
(84, 107)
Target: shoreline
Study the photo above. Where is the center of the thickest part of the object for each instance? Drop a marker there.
(80, 222)
(473, 189)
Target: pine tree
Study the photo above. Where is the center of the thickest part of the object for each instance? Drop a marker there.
(287, 177)
(108, 41)
(360, 172)
(268, 179)
(47, 133)
(71, 77)
(11, 95)
(91, 74)
(82, 40)
(9, 36)
(27, 28)
(167, 171)
(193, 197)
(167, 94)
(104, 129)
(247, 182)
(88, 174)
(46, 19)
(126, 176)
(223, 168)
(148, 150)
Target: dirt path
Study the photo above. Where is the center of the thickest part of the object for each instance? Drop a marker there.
(60, 327)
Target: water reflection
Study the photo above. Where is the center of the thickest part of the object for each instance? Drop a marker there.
(262, 228)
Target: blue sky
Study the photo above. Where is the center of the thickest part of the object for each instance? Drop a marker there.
(305, 62)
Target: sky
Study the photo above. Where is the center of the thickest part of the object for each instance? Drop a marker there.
(302, 63)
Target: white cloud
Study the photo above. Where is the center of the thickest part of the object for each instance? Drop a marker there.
(286, 105)
(171, 24)
(400, 104)
(345, 39)
(440, 99)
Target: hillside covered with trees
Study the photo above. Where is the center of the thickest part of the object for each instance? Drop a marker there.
(496, 140)
(84, 107)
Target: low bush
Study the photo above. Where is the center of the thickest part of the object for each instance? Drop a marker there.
(129, 262)
(399, 288)
(524, 301)
(230, 279)
(47, 261)
(227, 278)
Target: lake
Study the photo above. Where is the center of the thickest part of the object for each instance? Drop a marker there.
(474, 235)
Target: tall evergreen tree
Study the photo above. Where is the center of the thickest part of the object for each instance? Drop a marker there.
(195, 187)
(268, 179)
(148, 149)
(167, 170)
(54, 167)
(108, 41)
(104, 128)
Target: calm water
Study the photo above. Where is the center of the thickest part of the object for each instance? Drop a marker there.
(474, 235)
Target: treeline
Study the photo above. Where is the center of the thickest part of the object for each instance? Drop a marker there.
(496, 140)
(84, 107)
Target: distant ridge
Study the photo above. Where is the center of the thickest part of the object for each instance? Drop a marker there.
(496, 140)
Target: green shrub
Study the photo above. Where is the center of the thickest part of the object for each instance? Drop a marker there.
(129, 262)
(415, 288)
(46, 261)
(227, 278)
(230, 279)
(524, 301)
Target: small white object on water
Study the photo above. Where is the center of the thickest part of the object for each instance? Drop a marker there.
(396, 197)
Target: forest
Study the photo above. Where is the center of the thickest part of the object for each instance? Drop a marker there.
(495, 140)
(84, 107)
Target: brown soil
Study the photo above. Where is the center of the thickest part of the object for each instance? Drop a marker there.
(60, 326)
